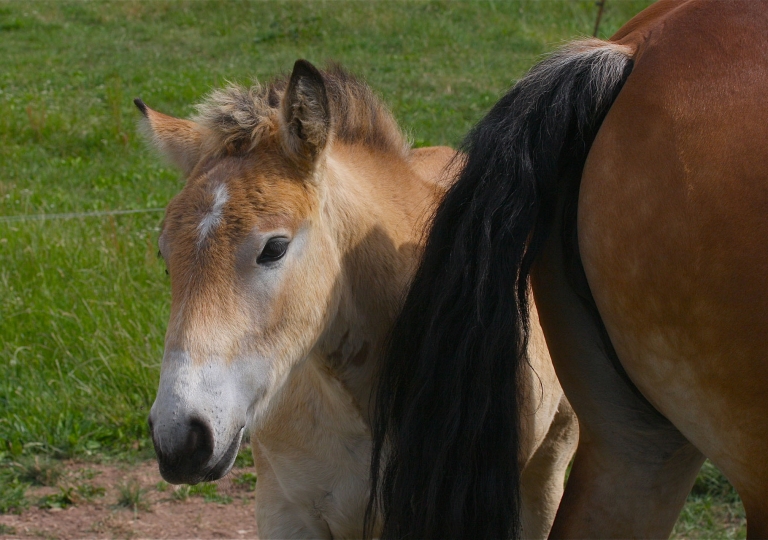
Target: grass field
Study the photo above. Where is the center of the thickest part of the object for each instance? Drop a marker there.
(84, 302)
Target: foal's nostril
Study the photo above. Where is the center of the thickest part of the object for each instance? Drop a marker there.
(199, 444)
(193, 438)
(184, 459)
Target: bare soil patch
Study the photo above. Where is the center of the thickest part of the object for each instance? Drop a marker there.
(121, 500)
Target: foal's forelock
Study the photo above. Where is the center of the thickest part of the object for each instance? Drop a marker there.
(238, 119)
(241, 133)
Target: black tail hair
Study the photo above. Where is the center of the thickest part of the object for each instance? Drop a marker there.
(446, 433)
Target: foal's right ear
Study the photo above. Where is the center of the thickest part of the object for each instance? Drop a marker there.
(178, 140)
(306, 114)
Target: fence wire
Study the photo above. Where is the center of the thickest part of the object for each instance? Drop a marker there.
(76, 215)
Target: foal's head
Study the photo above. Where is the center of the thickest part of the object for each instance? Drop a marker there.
(251, 253)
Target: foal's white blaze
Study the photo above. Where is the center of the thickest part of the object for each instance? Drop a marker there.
(212, 220)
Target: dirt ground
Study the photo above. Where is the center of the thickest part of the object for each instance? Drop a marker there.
(131, 501)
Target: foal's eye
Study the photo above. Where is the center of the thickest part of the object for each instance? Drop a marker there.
(273, 251)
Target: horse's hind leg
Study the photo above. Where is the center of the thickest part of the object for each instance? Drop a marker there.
(633, 469)
(543, 477)
(616, 491)
(757, 515)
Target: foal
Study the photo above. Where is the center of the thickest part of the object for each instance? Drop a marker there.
(289, 251)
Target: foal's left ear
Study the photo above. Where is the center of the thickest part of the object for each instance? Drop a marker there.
(306, 114)
(179, 140)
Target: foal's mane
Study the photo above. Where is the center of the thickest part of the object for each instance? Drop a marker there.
(237, 118)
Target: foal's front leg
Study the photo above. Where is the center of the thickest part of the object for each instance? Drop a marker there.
(543, 477)
(276, 515)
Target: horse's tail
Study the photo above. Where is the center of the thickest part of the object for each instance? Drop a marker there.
(446, 434)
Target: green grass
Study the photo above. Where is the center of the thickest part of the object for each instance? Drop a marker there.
(246, 480)
(12, 492)
(38, 471)
(713, 509)
(82, 334)
(209, 491)
(132, 496)
(84, 302)
(68, 496)
(244, 458)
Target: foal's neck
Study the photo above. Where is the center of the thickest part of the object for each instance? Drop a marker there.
(378, 205)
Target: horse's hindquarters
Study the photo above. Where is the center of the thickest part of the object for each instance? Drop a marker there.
(673, 228)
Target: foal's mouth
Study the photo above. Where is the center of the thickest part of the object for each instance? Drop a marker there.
(224, 465)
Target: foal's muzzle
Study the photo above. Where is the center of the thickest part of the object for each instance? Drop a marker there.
(186, 459)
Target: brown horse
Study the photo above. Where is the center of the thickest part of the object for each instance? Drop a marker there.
(629, 180)
(289, 251)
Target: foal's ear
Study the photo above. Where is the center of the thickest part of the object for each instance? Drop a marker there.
(178, 140)
(306, 113)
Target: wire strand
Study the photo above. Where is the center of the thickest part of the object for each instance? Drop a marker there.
(75, 215)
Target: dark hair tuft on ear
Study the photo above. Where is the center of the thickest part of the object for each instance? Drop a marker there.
(141, 106)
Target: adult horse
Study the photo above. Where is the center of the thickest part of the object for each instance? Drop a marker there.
(289, 250)
(628, 179)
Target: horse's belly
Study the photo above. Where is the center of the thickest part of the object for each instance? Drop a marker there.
(673, 234)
